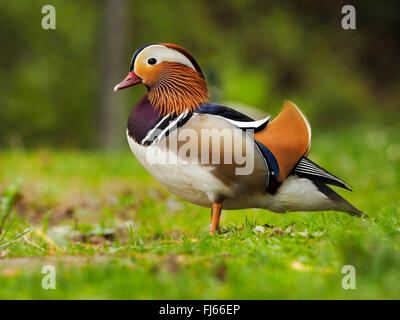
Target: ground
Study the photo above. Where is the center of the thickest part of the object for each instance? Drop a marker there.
(111, 231)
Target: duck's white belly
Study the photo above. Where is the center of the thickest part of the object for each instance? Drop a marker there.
(192, 182)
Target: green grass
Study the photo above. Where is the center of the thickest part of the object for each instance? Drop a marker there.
(112, 232)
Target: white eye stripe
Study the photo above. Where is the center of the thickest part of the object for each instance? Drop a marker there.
(162, 53)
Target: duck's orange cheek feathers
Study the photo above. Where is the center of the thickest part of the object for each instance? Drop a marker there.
(148, 74)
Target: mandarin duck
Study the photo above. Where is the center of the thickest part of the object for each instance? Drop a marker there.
(264, 165)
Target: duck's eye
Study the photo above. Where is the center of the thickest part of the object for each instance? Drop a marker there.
(152, 61)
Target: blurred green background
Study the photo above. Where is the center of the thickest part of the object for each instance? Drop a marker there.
(56, 85)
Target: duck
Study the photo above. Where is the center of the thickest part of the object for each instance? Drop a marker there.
(215, 156)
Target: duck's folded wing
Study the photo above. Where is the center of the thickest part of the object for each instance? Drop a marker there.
(231, 154)
(288, 138)
(282, 142)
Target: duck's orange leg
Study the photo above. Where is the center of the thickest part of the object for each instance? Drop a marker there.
(215, 216)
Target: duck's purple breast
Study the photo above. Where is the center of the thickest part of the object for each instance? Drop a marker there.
(143, 117)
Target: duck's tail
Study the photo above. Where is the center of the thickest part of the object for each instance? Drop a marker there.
(342, 204)
(320, 177)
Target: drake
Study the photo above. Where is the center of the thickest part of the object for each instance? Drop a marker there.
(281, 177)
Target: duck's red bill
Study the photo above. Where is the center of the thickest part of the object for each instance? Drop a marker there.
(131, 80)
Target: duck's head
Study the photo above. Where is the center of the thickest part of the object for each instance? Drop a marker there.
(173, 78)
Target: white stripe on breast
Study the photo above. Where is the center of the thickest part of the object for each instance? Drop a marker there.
(152, 130)
(173, 123)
